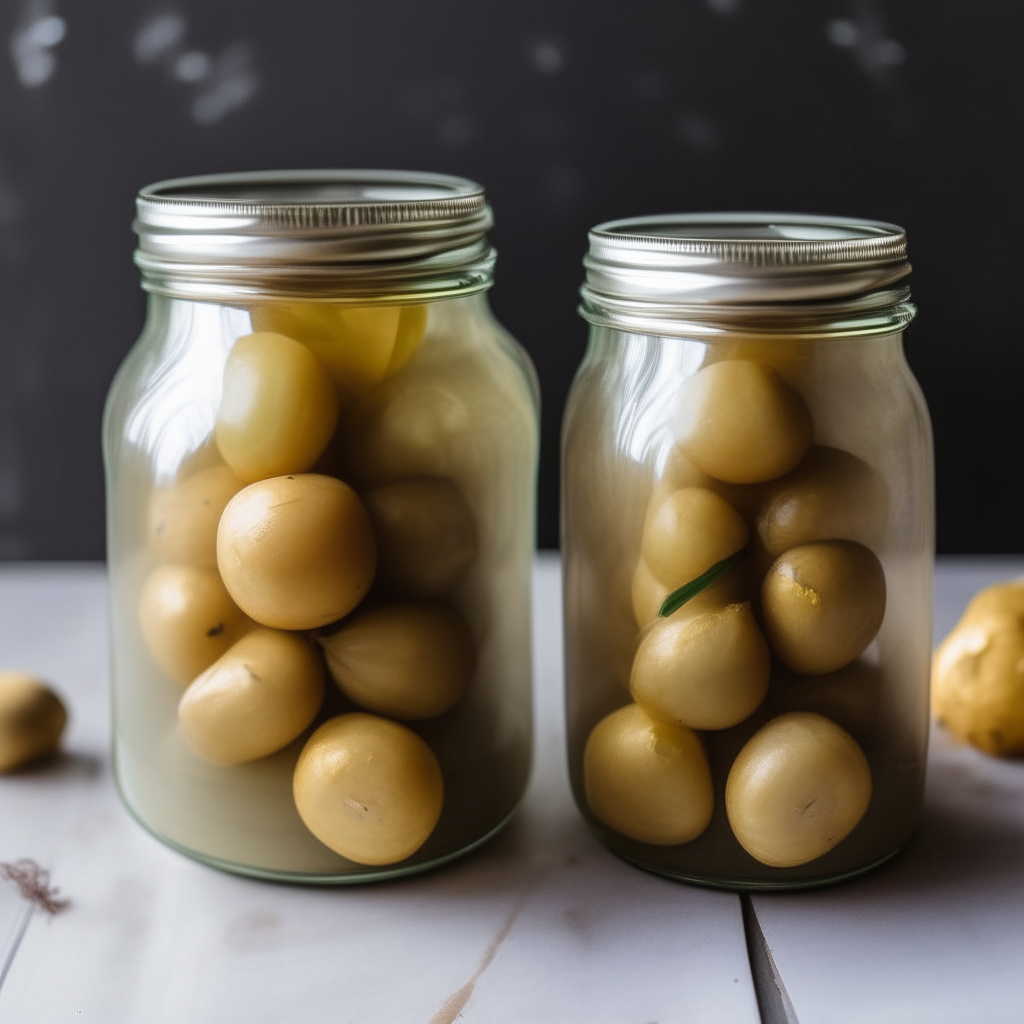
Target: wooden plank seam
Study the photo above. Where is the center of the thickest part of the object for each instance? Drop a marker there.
(773, 1002)
(34, 887)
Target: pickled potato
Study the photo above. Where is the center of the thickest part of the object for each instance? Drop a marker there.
(426, 536)
(407, 660)
(689, 532)
(790, 358)
(357, 345)
(296, 552)
(368, 788)
(797, 788)
(680, 472)
(183, 518)
(831, 495)
(823, 604)
(705, 670)
(646, 779)
(32, 719)
(188, 619)
(850, 697)
(978, 674)
(741, 423)
(254, 700)
(278, 407)
(649, 595)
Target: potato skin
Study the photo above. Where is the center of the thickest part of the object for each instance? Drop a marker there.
(255, 700)
(32, 720)
(797, 789)
(368, 788)
(647, 780)
(296, 552)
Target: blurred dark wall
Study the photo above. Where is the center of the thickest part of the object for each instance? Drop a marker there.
(570, 113)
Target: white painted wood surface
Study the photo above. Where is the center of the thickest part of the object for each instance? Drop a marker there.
(936, 936)
(542, 925)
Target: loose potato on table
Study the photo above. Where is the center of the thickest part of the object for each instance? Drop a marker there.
(32, 719)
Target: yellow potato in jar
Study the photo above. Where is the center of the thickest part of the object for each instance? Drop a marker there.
(850, 697)
(278, 408)
(978, 675)
(296, 552)
(791, 358)
(740, 422)
(183, 518)
(823, 604)
(32, 720)
(688, 533)
(797, 789)
(704, 670)
(426, 536)
(262, 694)
(680, 472)
(188, 619)
(406, 660)
(831, 495)
(358, 345)
(647, 780)
(369, 789)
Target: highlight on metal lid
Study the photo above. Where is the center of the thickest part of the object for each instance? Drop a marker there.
(743, 257)
(299, 232)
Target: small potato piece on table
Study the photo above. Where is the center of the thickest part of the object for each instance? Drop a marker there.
(646, 779)
(823, 604)
(741, 423)
(797, 789)
(188, 619)
(183, 518)
(32, 719)
(368, 788)
(278, 408)
(426, 536)
(254, 700)
(704, 670)
(408, 660)
(296, 552)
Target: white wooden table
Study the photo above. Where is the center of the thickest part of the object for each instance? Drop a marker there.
(542, 925)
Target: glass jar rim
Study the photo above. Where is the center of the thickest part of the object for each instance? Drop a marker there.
(320, 233)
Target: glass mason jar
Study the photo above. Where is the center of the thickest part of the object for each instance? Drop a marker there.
(321, 459)
(747, 541)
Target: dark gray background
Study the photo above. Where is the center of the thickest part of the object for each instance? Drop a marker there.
(570, 113)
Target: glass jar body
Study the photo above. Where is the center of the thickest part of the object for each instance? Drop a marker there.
(856, 484)
(434, 407)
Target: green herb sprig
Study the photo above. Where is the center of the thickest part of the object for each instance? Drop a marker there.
(706, 579)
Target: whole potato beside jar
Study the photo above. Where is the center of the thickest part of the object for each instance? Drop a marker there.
(32, 720)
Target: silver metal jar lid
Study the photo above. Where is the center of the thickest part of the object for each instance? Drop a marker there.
(313, 233)
(729, 267)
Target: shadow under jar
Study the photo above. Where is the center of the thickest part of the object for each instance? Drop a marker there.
(747, 541)
(321, 459)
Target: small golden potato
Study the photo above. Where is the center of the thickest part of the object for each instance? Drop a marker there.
(704, 670)
(823, 604)
(850, 697)
(978, 676)
(183, 519)
(689, 532)
(649, 595)
(797, 789)
(792, 358)
(426, 536)
(646, 779)
(368, 788)
(278, 408)
(357, 345)
(831, 495)
(32, 719)
(257, 698)
(188, 619)
(680, 472)
(408, 661)
(296, 552)
(740, 422)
